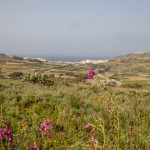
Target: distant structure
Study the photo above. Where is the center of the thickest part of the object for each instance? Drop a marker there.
(140, 52)
(40, 59)
(93, 61)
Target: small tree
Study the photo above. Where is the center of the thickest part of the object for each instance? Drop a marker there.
(16, 75)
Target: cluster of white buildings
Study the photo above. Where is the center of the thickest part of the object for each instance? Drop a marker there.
(93, 61)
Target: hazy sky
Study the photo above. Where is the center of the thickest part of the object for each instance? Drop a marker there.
(74, 27)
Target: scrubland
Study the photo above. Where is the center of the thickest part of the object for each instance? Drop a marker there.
(80, 115)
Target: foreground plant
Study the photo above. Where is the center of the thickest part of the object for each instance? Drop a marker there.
(35, 146)
(93, 142)
(90, 73)
(6, 136)
(45, 128)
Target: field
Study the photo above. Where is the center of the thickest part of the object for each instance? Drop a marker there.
(53, 106)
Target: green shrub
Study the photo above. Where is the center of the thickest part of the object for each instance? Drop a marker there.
(16, 75)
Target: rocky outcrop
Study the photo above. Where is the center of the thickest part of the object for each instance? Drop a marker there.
(112, 82)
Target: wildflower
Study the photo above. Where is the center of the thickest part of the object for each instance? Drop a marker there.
(92, 130)
(92, 138)
(90, 73)
(35, 146)
(6, 134)
(1, 134)
(45, 126)
(10, 139)
(94, 143)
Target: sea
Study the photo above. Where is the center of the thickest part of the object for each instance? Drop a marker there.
(71, 58)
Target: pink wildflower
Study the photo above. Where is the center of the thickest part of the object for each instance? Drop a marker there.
(95, 143)
(90, 73)
(34, 147)
(92, 138)
(45, 126)
(92, 130)
(6, 134)
(1, 133)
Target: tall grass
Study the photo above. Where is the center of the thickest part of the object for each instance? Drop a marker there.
(118, 117)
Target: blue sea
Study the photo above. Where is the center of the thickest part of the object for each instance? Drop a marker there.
(66, 58)
(70, 58)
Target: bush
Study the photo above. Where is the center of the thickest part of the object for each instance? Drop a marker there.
(16, 75)
(38, 78)
(17, 58)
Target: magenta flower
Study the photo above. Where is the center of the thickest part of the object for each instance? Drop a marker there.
(45, 127)
(8, 132)
(1, 134)
(92, 138)
(90, 73)
(34, 147)
(6, 135)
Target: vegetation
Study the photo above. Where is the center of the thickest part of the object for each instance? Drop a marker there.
(16, 75)
(71, 113)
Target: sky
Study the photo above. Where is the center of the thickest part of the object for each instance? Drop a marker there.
(74, 28)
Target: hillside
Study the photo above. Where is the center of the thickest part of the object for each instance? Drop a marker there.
(134, 67)
(131, 63)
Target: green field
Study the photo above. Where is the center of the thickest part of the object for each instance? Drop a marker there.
(85, 114)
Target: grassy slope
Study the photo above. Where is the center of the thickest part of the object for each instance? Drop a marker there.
(120, 116)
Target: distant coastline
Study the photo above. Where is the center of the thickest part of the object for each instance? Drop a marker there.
(70, 58)
(82, 58)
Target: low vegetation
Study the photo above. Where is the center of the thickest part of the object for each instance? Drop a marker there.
(41, 111)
